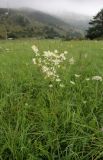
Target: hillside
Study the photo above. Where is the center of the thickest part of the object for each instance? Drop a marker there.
(27, 22)
(79, 21)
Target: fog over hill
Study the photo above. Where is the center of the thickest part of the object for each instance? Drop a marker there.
(79, 21)
(64, 16)
(24, 22)
(85, 7)
(75, 20)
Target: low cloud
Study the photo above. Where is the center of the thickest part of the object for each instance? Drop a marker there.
(87, 7)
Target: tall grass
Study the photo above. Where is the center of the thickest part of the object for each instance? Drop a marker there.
(42, 123)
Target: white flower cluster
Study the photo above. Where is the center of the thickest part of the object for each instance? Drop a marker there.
(49, 62)
(35, 49)
(97, 78)
(94, 78)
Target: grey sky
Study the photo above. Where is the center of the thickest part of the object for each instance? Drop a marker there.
(87, 7)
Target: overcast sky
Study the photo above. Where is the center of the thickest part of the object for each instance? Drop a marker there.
(87, 7)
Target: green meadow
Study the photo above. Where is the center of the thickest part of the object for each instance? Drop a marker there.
(39, 122)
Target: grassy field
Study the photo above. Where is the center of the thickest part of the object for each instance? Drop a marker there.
(40, 122)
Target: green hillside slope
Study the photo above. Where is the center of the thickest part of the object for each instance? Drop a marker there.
(25, 22)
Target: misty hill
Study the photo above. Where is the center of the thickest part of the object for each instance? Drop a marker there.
(27, 22)
(79, 21)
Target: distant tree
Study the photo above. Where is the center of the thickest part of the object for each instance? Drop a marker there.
(4, 24)
(21, 20)
(73, 35)
(96, 26)
(50, 33)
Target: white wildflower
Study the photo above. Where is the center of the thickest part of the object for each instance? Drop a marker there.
(49, 62)
(65, 52)
(50, 85)
(58, 66)
(62, 85)
(48, 54)
(62, 56)
(50, 74)
(84, 102)
(55, 51)
(57, 76)
(56, 62)
(87, 79)
(77, 75)
(53, 70)
(97, 78)
(72, 82)
(58, 80)
(34, 61)
(71, 61)
(35, 49)
(45, 69)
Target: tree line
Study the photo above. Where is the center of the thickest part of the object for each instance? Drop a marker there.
(95, 30)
